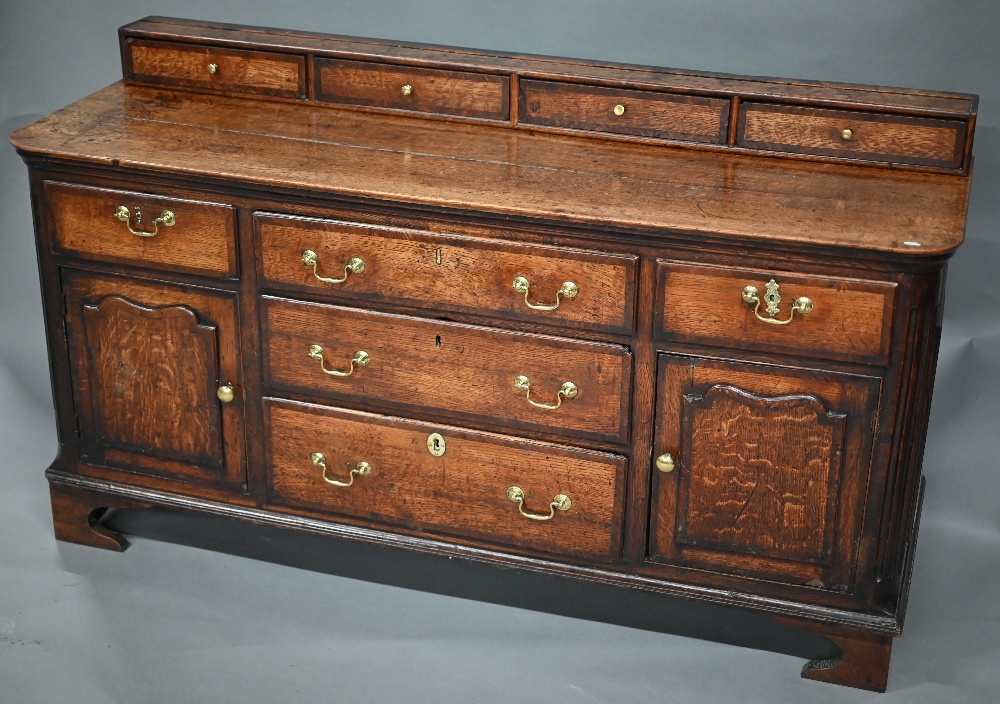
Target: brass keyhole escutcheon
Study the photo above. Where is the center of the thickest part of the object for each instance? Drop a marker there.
(435, 444)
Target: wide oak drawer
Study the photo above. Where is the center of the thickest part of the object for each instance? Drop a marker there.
(552, 285)
(372, 84)
(835, 318)
(215, 68)
(635, 112)
(142, 229)
(480, 486)
(852, 134)
(520, 380)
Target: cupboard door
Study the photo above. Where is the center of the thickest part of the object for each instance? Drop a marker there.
(149, 363)
(767, 470)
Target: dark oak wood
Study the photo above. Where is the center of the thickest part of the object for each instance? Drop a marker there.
(235, 71)
(147, 361)
(796, 489)
(452, 368)
(380, 85)
(371, 56)
(898, 139)
(850, 319)
(464, 491)
(449, 273)
(644, 113)
(76, 515)
(201, 241)
(771, 470)
(766, 201)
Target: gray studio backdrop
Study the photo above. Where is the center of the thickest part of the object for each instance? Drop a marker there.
(167, 622)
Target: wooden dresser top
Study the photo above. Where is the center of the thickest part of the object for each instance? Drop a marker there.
(475, 166)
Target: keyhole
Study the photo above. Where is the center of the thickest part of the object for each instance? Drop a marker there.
(437, 343)
(437, 445)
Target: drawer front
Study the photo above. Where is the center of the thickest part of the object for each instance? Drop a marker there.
(214, 68)
(464, 370)
(637, 112)
(460, 93)
(463, 491)
(852, 134)
(849, 319)
(450, 273)
(143, 230)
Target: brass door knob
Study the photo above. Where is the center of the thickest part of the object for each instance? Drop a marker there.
(665, 463)
(619, 110)
(847, 135)
(226, 393)
(213, 68)
(406, 90)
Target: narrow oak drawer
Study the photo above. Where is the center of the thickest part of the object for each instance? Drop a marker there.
(461, 93)
(225, 70)
(554, 285)
(637, 112)
(142, 230)
(464, 488)
(847, 319)
(465, 370)
(852, 134)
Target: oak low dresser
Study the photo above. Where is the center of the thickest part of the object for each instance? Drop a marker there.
(670, 331)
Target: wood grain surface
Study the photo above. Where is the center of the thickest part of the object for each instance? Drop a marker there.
(850, 320)
(147, 358)
(647, 113)
(509, 173)
(202, 240)
(380, 85)
(450, 273)
(879, 97)
(237, 71)
(462, 370)
(779, 500)
(462, 492)
(896, 139)
(772, 470)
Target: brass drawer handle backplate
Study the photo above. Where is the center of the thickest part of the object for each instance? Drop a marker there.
(361, 469)
(361, 358)
(167, 219)
(567, 290)
(567, 390)
(355, 265)
(772, 297)
(560, 502)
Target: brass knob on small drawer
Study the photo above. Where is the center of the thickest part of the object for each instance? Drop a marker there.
(226, 393)
(213, 68)
(406, 90)
(665, 463)
(847, 135)
(619, 110)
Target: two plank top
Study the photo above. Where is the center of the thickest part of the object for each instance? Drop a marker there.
(485, 169)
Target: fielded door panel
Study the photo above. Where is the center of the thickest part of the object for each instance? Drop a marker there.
(148, 360)
(769, 470)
